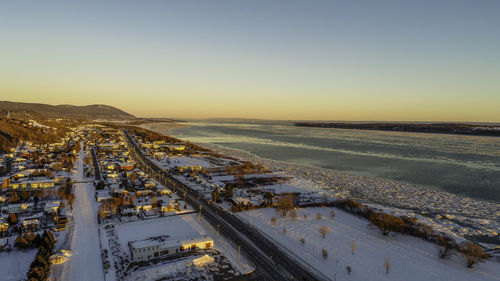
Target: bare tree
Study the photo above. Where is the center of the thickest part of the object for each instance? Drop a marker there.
(473, 253)
(332, 214)
(318, 216)
(387, 265)
(348, 269)
(293, 214)
(353, 246)
(285, 204)
(446, 246)
(323, 230)
(273, 220)
(324, 253)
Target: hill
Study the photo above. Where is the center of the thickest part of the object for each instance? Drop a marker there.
(433, 128)
(13, 131)
(22, 110)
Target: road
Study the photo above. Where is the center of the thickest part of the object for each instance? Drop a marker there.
(257, 248)
(86, 262)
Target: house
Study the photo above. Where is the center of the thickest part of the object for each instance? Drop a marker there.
(51, 207)
(3, 242)
(31, 224)
(167, 206)
(18, 208)
(153, 213)
(61, 222)
(163, 191)
(127, 166)
(101, 195)
(149, 184)
(4, 226)
(142, 192)
(112, 175)
(32, 184)
(144, 203)
(128, 211)
(157, 247)
(176, 147)
(183, 169)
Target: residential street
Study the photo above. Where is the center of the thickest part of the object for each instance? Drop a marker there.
(86, 263)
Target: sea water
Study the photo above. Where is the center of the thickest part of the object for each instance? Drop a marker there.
(464, 165)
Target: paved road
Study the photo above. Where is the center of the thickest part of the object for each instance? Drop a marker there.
(254, 245)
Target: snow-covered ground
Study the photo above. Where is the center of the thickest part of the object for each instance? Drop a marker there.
(411, 258)
(15, 265)
(86, 262)
(177, 227)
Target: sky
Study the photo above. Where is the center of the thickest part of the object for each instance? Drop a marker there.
(300, 60)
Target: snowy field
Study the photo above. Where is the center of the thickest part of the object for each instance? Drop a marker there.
(411, 258)
(15, 265)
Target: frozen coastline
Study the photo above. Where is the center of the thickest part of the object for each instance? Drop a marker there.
(464, 218)
(461, 217)
(377, 190)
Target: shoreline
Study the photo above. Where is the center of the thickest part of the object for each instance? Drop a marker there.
(447, 212)
(339, 180)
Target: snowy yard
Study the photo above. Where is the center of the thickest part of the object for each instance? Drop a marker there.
(184, 269)
(411, 258)
(177, 227)
(14, 265)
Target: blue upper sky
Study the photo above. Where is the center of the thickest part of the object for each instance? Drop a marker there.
(347, 60)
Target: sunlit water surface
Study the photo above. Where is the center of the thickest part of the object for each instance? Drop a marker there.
(464, 165)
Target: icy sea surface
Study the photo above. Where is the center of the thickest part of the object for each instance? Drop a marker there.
(464, 165)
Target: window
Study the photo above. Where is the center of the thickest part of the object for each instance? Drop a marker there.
(182, 248)
(207, 245)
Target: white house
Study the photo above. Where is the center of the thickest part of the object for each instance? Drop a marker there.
(143, 203)
(167, 206)
(18, 208)
(51, 207)
(158, 247)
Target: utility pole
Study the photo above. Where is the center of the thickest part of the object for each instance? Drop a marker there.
(199, 217)
(308, 257)
(218, 226)
(239, 250)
